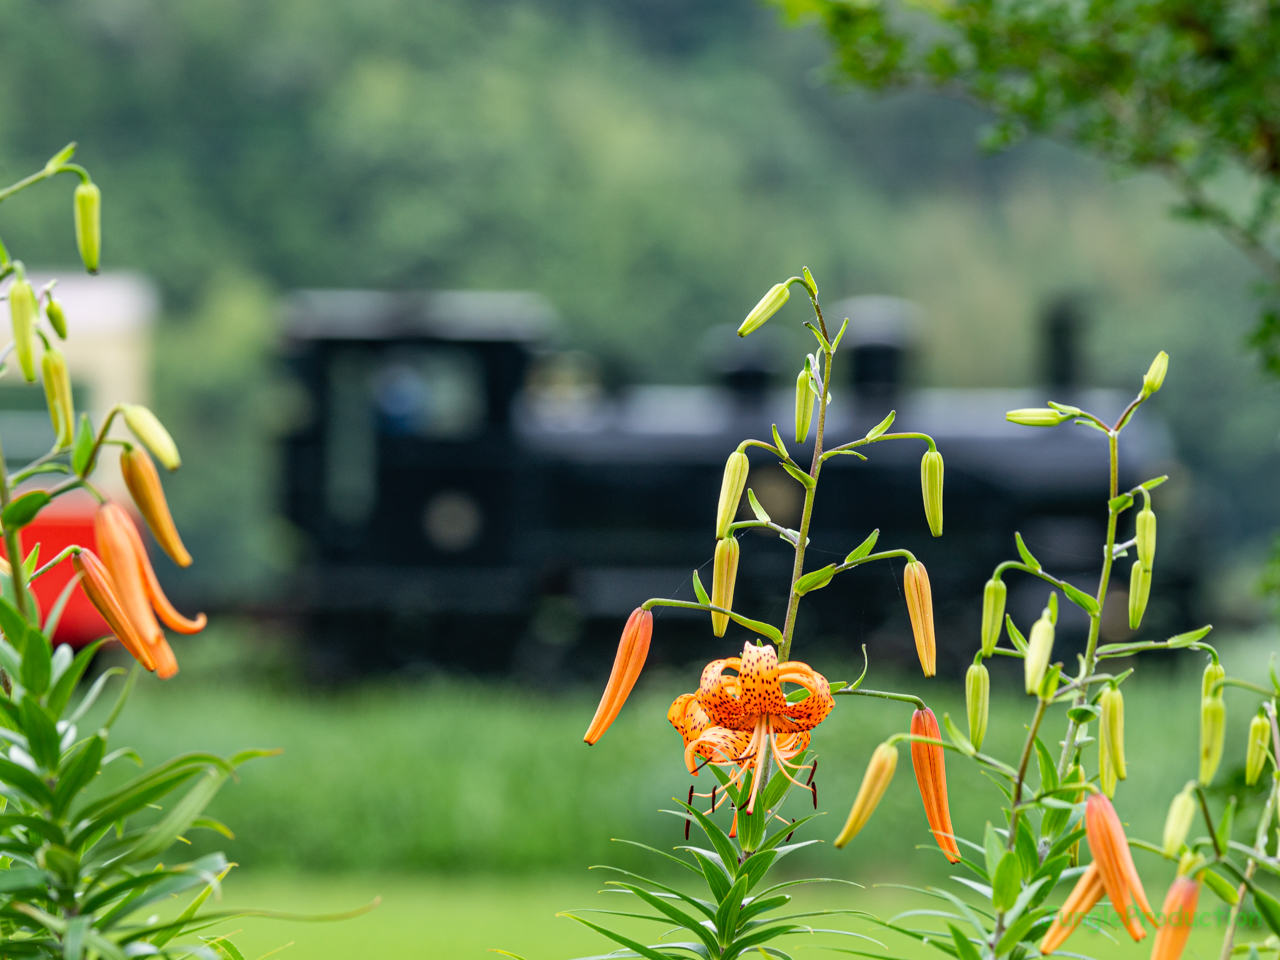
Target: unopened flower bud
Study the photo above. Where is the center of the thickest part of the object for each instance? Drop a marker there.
(143, 481)
(874, 783)
(769, 304)
(57, 392)
(1036, 417)
(633, 648)
(152, 434)
(1155, 374)
(1181, 812)
(1139, 593)
(22, 312)
(1255, 758)
(88, 208)
(1213, 730)
(1147, 537)
(1214, 673)
(1111, 766)
(723, 576)
(731, 487)
(57, 319)
(977, 688)
(915, 586)
(1039, 649)
(804, 405)
(993, 599)
(931, 486)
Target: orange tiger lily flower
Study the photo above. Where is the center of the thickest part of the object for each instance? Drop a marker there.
(740, 721)
(143, 480)
(915, 587)
(1110, 850)
(101, 591)
(1179, 919)
(1083, 898)
(126, 559)
(633, 648)
(931, 777)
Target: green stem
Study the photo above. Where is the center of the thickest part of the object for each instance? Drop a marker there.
(1027, 747)
(12, 543)
(881, 694)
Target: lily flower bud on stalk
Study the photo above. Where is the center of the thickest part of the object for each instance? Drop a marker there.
(931, 485)
(57, 393)
(152, 435)
(1036, 417)
(1181, 812)
(804, 405)
(1039, 649)
(769, 304)
(1179, 918)
(1110, 850)
(731, 487)
(97, 586)
(1147, 537)
(915, 586)
(1084, 897)
(1256, 754)
(1209, 680)
(1139, 593)
(874, 783)
(143, 481)
(57, 319)
(633, 648)
(931, 778)
(977, 688)
(723, 576)
(993, 600)
(1111, 739)
(22, 313)
(1213, 731)
(1154, 378)
(88, 217)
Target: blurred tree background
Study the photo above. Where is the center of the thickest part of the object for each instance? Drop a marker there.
(650, 166)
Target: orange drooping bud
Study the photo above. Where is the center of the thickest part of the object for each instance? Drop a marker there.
(1083, 898)
(1179, 919)
(632, 650)
(931, 777)
(1110, 850)
(159, 602)
(97, 586)
(915, 584)
(143, 481)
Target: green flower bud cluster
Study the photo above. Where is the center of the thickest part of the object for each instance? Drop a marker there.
(1176, 825)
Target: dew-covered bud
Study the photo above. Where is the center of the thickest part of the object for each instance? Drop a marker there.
(993, 599)
(152, 435)
(1213, 730)
(88, 216)
(1039, 649)
(1155, 374)
(723, 576)
(57, 319)
(731, 487)
(931, 487)
(1147, 537)
(977, 689)
(1181, 812)
(1255, 758)
(22, 312)
(769, 304)
(804, 405)
(1036, 417)
(1139, 593)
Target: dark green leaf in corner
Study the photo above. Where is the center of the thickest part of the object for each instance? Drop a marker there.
(23, 510)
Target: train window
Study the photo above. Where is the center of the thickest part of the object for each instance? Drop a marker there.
(431, 393)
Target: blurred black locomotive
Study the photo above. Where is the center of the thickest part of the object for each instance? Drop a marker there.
(471, 499)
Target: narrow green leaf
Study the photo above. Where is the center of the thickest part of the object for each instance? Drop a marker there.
(764, 629)
(1025, 847)
(160, 837)
(1152, 484)
(727, 916)
(647, 952)
(718, 882)
(24, 780)
(815, 580)
(865, 547)
(957, 737)
(1186, 639)
(37, 666)
(59, 606)
(77, 772)
(777, 442)
(1019, 641)
(1027, 558)
(1081, 599)
(12, 624)
(83, 449)
(1048, 769)
(880, 428)
(1120, 503)
(65, 683)
(24, 509)
(699, 590)
(1007, 881)
(805, 480)
(1015, 933)
(758, 510)
(719, 839)
(964, 949)
(1224, 825)
(42, 734)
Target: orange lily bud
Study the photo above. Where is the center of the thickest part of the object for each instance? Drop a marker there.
(164, 609)
(632, 650)
(143, 481)
(1179, 919)
(723, 575)
(1110, 850)
(915, 584)
(97, 586)
(874, 783)
(931, 777)
(117, 553)
(1083, 898)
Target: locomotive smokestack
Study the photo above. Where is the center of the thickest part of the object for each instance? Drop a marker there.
(881, 331)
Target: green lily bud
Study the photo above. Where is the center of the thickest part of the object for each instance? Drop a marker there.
(723, 575)
(88, 210)
(22, 312)
(57, 391)
(731, 487)
(1139, 593)
(1147, 537)
(1111, 738)
(57, 319)
(769, 304)
(1221, 886)
(993, 598)
(1255, 758)
(1039, 649)
(804, 404)
(1213, 673)
(1213, 729)
(1036, 417)
(152, 435)
(1181, 812)
(1155, 374)
(977, 688)
(931, 486)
